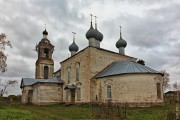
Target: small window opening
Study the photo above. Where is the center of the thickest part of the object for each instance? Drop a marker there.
(46, 53)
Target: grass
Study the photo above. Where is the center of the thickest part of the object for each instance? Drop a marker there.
(152, 113)
(50, 112)
(61, 112)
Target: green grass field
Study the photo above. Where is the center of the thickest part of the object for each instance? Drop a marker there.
(61, 112)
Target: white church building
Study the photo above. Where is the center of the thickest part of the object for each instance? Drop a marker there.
(93, 74)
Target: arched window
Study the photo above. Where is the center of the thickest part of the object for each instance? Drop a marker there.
(46, 53)
(77, 71)
(78, 90)
(68, 74)
(109, 95)
(46, 69)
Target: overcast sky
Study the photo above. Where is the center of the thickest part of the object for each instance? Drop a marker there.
(150, 27)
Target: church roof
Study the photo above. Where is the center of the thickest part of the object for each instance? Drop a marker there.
(57, 71)
(70, 87)
(125, 67)
(32, 81)
(98, 49)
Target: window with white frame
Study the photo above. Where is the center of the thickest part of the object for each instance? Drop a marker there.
(77, 71)
(68, 74)
(109, 94)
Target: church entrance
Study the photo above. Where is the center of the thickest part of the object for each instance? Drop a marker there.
(72, 92)
(72, 96)
(30, 93)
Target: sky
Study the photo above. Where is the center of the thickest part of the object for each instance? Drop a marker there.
(150, 27)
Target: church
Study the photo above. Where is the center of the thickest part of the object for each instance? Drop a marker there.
(91, 75)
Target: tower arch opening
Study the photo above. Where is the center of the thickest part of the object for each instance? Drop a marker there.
(46, 53)
(46, 72)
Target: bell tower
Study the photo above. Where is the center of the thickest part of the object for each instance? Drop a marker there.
(44, 63)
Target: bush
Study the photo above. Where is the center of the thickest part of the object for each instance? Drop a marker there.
(14, 98)
(171, 115)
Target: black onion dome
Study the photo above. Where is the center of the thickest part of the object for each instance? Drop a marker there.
(73, 47)
(91, 33)
(99, 36)
(45, 32)
(121, 43)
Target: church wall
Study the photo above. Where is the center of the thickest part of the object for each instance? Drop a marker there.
(25, 91)
(40, 68)
(131, 88)
(83, 59)
(100, 59)
(46, 93)
(92, 61)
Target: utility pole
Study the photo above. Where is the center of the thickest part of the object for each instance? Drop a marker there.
(177, 103)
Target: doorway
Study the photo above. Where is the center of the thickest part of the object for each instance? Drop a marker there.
(72, 96)
(30, 93)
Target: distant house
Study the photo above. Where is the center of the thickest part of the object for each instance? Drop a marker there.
(93, 74)
(171, 96)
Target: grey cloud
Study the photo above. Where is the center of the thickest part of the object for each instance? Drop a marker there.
(20, 68)
(150, 31)
(151, 36)
(138, 3)
(145, 2)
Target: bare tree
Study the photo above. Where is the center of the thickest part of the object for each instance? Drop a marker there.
(7, 84)
(175, 86)
(3, 56)
(3, 65)
(142, 62)
(165, 79)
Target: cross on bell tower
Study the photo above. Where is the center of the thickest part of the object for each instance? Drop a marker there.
(44, 63)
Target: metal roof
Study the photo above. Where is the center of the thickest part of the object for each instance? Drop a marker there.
(171, 92)
(31, 81)
(70, 86)
(125, 67)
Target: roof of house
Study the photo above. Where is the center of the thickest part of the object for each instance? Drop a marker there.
(125, 67)
(32, 81)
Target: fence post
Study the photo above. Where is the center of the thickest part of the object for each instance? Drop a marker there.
(118, 112)
(125, 110)
(92, 109)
